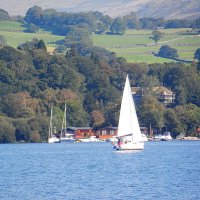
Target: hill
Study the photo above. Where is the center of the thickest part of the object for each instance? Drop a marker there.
(180, 9)
(134, 45)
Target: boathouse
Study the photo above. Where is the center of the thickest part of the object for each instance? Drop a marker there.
(106, 132)
(80, 132)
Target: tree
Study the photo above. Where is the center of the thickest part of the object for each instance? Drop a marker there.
(151, 112)
(168, 52)
(156, 36)
(34, 15)
(7, 131)
(35, 137)
(101, 28)
(132, 21)
(32, 28)
(97, 118)
(197, 54)
(2, 41)
(196, 24)
(4, 16)
(118, 26)
(172, 122)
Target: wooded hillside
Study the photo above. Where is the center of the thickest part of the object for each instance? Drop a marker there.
(90, 80)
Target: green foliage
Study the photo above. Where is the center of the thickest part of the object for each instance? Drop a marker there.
(167, 52)
(197, 54)
(35, 137)
(156, 36)
(32, 28)
(7, 131)
(4, 16)
(118, 26)
(2, 41)
(152, 112)
(189, 116)
(132, 21)
(89, 79)
(34, 15)
(196, 24)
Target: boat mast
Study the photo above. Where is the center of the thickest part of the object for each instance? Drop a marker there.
(130, 101)
(50, 124)
(64, 122)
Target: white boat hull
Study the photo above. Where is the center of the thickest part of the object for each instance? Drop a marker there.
(67, 140)
(53, 140)
(130, 146)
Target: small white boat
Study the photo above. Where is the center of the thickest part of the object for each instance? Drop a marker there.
(129, 134)
(64, 135)
(163, 137)
(113, 139)
(51, 137)
(67, 137)
(90, 139)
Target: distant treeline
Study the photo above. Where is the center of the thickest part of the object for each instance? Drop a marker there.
(62, 23)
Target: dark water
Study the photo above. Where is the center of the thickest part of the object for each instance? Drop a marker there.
(163, 170)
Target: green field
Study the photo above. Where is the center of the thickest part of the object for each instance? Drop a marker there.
(14, 35)
(136, 46)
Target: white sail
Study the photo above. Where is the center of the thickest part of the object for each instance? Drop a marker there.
(128, 121)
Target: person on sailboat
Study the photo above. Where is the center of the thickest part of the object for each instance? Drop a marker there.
(119, 142)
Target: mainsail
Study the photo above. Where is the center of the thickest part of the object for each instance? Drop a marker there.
(128, 121)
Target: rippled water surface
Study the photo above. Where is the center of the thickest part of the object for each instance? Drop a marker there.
(163, 170)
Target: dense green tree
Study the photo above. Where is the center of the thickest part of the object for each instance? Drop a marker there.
(152, 112)
(32, 28)
(172, 122)
(35, 137)
(118, 26)
(166, 51)
(151, 23)
(197, 54)
(6, 74)
(34, 15)
(2, 41)
(76, 114)
(196, 24)
(7, 131)
(156, 36)
(19, 105)
(189, 116)
(178, 23)
(4, 16)
(132, 21)
(101, 28)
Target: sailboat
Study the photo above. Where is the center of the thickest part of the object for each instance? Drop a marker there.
(51, 137)
(64, 135)
(129, 134)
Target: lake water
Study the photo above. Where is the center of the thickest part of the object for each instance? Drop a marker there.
(81, 171)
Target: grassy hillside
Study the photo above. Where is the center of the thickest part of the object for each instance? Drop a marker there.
(14, 35)
(136, 46)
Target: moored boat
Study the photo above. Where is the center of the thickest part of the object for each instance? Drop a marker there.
(52, 137)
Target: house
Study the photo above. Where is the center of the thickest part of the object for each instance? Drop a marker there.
(163, 94)
(80, 132)
(106, 133)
